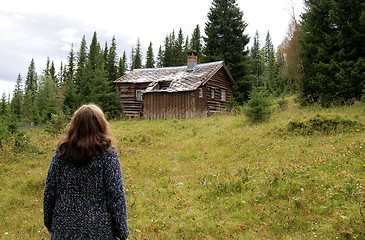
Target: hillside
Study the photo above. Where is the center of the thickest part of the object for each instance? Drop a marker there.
(215, 178)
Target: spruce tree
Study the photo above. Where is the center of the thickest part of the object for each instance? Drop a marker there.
(122, 65)
(3, 105)
(173, 48)
(332, 46)
(48, 66)
(150, 58)
(255, 56)
(160, 58)
(71, 66)
(180, 58)
(46, 100)
(31, 80)
(187, 47)
(112, 67)
(60, 77)
(105, 55)
(70, 95)
(94, 52)
(225, 40)
(16, 104)
(30, 110)
(52, 71)
(168, 52)
(270, 64)
(133, 53)
(137, 60)
(81, 76)
(196, 42)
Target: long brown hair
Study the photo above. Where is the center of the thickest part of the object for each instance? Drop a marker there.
(88, 134)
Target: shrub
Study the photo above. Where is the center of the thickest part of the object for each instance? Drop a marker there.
(324, 125)
(283, 104)
(259, 106)
(4, 132)
(56, 124)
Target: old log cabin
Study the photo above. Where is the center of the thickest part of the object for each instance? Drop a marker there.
(191, 91)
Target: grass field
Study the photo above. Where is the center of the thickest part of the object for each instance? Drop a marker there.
(214, 178)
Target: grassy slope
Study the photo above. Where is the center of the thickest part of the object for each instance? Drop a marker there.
(213, 178)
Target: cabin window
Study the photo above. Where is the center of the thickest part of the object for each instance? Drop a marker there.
(223, 95)
(139, 95)
(200, 92)
(211, 93)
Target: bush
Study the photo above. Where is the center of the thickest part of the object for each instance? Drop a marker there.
(4, 133)
(11, 134)
(259, 107)
(283, 104)
(56, 124)
(324, 125)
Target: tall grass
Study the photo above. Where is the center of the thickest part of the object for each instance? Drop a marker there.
(215, 178)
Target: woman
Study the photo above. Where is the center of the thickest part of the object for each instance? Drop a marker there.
(84, 195)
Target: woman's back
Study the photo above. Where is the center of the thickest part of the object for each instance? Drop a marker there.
(86, 201)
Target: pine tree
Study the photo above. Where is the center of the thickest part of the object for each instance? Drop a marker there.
(225, 40)
(268, 48)
(3, 105)
(270, 64)
(122, 65)
(196, 43)
(31, 87)
(150, 58)
(172, 46)
(106, 55)
(60, 77)
(187, 47)
(70, 98)
(256, 62)
(46, 99)
(48, 66)
(133, 53)
(16, 104)
(81, 72)
(31, 80)
(71, 66)
(30, 111)
(180, 57)
(52, 71)
(94, 52)
(70, 95)
(167, 53)
(160, 58)
(112, 67)
(332, 46)
(137, 60)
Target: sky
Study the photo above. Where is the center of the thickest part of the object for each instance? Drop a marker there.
(39, 29)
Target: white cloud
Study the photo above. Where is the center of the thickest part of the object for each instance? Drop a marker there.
(6, 87)
(69, 35)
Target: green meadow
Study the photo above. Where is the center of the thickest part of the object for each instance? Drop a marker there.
(298, 176)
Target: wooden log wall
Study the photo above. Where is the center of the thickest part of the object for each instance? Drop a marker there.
(218, 82)
(127, 94)
(173, 105)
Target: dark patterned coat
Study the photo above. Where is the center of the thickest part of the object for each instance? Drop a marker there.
(86, 202)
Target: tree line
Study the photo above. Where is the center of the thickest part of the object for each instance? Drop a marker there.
(321, 58)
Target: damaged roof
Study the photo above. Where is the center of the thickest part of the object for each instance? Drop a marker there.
(180, 77)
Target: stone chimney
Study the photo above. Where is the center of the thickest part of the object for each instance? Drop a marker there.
(192, 60)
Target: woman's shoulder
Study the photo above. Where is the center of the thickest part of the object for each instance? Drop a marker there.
(108, 154)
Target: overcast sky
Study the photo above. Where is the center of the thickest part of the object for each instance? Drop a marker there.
(46, 28)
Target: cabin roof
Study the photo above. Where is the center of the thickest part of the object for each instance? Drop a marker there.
(180, 77)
